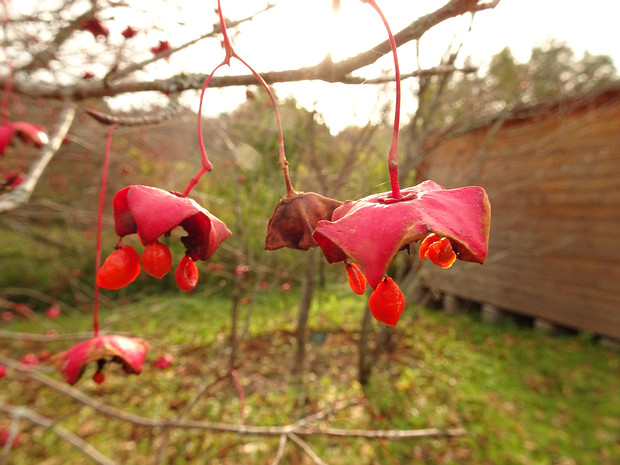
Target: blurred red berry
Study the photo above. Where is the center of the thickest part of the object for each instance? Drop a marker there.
(241, 269)
(29, 359)
(163, 362)
(129, 32)
(2, 371)
(98, 377)
(12, 179)
(25, 311)
(5, 434)
(163, 46)
(52, 312)
(95, 27)
(285, 287)
(215, 267)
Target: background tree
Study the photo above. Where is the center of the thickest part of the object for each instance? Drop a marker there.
(552, 72)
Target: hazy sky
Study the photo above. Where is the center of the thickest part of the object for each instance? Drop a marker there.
(299, 33)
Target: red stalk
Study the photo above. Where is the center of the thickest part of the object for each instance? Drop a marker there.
(392, 155)
(230, 53)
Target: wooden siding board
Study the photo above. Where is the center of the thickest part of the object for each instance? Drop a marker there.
(590, 310)
(554, 185)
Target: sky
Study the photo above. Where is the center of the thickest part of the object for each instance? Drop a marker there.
(301, 32)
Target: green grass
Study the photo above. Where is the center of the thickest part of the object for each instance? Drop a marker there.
(523, 397)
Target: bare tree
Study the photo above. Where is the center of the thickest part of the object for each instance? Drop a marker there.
(61, 68)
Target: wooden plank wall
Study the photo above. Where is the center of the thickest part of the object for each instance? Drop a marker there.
(553, 179)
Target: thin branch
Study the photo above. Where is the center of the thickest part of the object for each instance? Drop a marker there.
(117, 74)
(393, 434)
(10, 440)
(336, 407)
(34, 337)
(303, 445)
(326, 70)
(166, 114)
(280, 452)
(243, 430)
(205, 388)
(434, 71)
(65, 434)
(44, 57)
(22, 193)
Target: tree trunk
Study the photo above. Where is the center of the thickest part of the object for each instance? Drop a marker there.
(307, 293)
(239, 279)
(364, 365)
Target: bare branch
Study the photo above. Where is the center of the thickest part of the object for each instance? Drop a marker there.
(243, 430)
(172, 109)
(392, 434)
(21, 194)
(43, 58)
(65, 434)
(280, 452)
(34, 337)
(303, 445)
(326, 70)
(434, 71)
(166, 114)
(216, 30)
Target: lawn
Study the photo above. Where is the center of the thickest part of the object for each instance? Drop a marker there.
(521, 397)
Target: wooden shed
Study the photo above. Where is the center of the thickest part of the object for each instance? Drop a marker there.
(552, 173)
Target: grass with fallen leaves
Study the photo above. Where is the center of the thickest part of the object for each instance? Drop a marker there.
(522, 397)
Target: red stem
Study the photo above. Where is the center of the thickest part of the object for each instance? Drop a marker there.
(282, 161)
(230, 53)
(393, 153)
(206, 164)
(104, 180)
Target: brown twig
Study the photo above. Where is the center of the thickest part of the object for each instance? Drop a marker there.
(280, 451)
(117, 74)
(303, 445)
(165, 114)
(63, 433)
(21, 194)
(34, 337)
(45, 56)
(243, 430)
